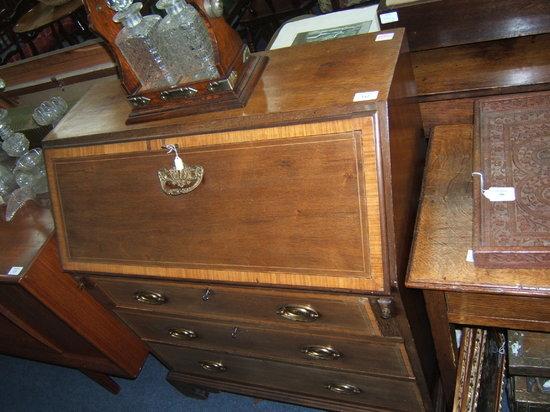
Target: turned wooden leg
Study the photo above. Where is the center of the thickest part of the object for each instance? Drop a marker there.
(102, 379)
(443, 335)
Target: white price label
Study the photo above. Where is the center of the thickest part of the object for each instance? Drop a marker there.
(389, 17)
(470, 256)
(384, 37)
(15, 270)
(500, 194)
(363, 96)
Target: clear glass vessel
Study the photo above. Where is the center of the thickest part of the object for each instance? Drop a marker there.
(141, 49)
(183, 37)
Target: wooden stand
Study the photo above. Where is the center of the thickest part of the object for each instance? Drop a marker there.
(239, 71)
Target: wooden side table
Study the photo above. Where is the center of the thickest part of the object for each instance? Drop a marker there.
(456, 292)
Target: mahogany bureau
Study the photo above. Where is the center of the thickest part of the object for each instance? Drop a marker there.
(280, 274)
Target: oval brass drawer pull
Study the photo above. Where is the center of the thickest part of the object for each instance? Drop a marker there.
(321, 352)
(298, 313)
(149, 297)
(343, 388)
(180, 333)
(212, 366)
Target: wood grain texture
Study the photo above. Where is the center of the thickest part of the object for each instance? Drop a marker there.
(69, 65)
(446, 112)
(503, 311)
(498, 67)
(373, 356)
(310, 82)
(345, 314)
(296, 379)
(444, 227)
(434, 24)
(366, 223)
(48, 317)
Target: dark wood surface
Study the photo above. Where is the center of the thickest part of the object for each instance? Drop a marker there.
(444, 23)
(444, 227)
(247, 202)
(497, 67)
(295, 379)
(283, 95)
(346, 314)
(528, 353)
(69, 65)
(47, 316)
(376, 355)
(513, 234)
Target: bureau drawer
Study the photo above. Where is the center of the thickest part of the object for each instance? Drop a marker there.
(394, 394)
(380, 356)
(301, 211)
(306, 311)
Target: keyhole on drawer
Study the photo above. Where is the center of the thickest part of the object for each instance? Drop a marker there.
(207, 294)
(234, 333)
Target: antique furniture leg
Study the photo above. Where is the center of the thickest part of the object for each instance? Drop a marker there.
(102, 379)
(444, 344)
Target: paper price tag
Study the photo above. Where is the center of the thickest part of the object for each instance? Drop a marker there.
(384, 37)
(178, 163)
(363, 96)
(500, 194)
(470, 256)
(389, 17)
(15, 270)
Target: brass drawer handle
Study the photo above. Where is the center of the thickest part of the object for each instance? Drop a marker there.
(212, 366)
(181, 178)
(298, 313)
(343, 388)
(149, 297)
(181, 333)
(321, 352)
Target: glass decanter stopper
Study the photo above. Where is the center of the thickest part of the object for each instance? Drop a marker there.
(140, 48)
(118, 5)
(184, 39)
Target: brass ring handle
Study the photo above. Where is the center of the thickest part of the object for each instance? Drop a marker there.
(149, 297)
(321, 352)
(180, 333)
(212, 366)
(343, 388)
(298, 313)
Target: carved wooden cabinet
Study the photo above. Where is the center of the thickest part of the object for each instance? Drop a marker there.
(46, 316)
(279, 271)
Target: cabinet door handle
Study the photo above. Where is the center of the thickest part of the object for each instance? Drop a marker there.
(298, 313)
(321, 352)
(212, 366)
(150, 297)
(385, 304)
(343, 388)
(180, 333)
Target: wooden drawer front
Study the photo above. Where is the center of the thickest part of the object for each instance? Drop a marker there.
(529, 353)
(511, 312)
(295, 211)
(394, 394)
(340, 313)
(370, 356)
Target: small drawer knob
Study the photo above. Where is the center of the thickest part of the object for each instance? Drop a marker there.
(149, 297)
(343, 388)
(180, 333)
(213, 366)
(321, 352)
(298, 313)
(385, 307)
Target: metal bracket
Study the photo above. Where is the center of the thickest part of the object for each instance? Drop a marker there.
(182, 92)
(139, 101)
(225, 84)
